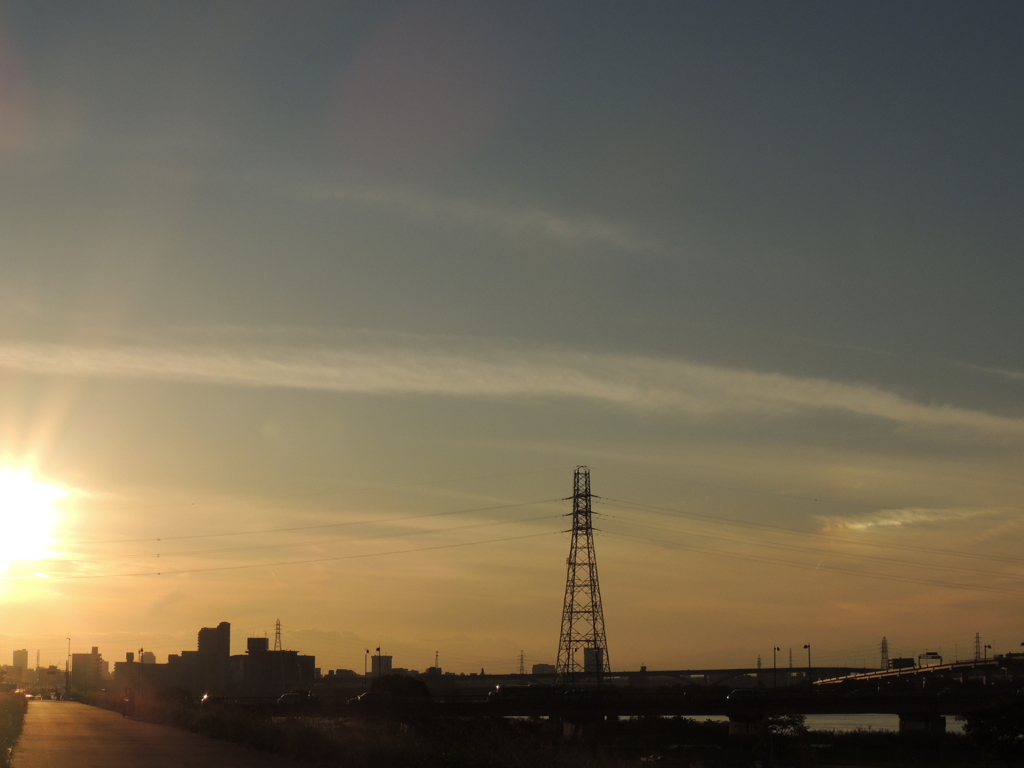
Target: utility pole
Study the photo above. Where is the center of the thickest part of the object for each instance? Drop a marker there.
(808, 649)
(775, 667)
(582, 612)
(67, 672)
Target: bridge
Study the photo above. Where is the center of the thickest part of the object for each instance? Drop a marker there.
(769, 676)
(916, 711)
(956, 669)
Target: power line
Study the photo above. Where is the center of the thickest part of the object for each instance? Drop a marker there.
(813, 550)
(252, 532)
(639, 507)
(817, 567)
(279, 563)
(220, 550)
(756, 491)
(337, 491)
(753, 491)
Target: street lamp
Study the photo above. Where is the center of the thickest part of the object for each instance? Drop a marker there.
(987, 646)
(67, 672)
(808, 649)
(775, 680)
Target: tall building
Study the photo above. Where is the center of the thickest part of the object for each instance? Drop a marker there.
(21, 658)
(593, 660)
(216, 639)
(380, 666)
(88, 670)
(206, 670)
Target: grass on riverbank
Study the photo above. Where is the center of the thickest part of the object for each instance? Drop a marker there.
(12, 717)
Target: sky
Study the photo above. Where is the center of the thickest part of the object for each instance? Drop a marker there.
(309, 310)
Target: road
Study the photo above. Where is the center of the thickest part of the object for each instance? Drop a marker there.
(67, 734)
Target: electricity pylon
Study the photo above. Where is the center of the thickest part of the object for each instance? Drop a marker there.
(582, 615)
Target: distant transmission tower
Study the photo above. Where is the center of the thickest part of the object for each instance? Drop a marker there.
(582, 615)
(522, 664)
(277, 636)
(977, 646)
(885, 653)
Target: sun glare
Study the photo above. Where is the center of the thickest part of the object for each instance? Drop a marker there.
(28, 513)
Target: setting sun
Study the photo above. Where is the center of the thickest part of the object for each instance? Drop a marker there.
(27, 515)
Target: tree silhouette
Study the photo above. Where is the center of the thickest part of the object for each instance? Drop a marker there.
(998, 730)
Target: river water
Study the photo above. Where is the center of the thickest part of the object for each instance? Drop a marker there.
(860, 723)
(868, 723)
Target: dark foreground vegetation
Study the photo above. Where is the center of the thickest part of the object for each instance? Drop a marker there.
(992, 740)
(12, 717)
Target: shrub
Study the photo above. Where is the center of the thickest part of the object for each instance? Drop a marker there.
(12, 716)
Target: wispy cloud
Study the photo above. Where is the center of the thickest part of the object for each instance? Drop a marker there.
(478, 368)
(423, 205)
(506, 220)
(898, 518)
(1006, 374)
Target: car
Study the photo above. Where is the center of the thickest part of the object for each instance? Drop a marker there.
(746, 694)
(289, 699)
(530, 692)
(862, 693)
(375, 698)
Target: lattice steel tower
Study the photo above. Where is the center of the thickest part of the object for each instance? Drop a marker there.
(582, 615)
